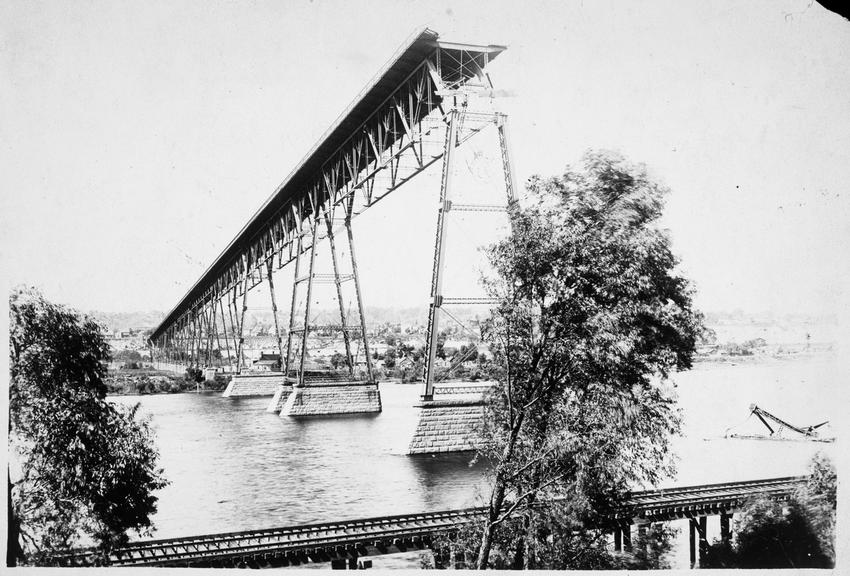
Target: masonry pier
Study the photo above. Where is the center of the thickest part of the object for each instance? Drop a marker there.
(450, 422)
(255, 384)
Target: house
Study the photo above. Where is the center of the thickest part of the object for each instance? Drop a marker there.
(267, 362)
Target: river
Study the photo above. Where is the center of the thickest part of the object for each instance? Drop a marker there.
(233, 466)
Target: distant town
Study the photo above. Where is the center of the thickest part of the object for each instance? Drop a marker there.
(397, 342)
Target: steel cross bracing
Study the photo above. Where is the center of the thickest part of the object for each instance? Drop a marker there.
(438, 300)
(295, 370)
(317, 541)
(404, 135)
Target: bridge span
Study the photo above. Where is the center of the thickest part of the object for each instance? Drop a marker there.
(431, 97)
(350, 539)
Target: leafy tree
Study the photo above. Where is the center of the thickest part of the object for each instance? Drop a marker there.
(194, 374)
(84, 468)
(591, 321)
(127, 356)
(799, 533)
(339, 360)
(390, 357)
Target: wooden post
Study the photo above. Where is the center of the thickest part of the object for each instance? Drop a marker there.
(692, 547)
(618, 544)
(725, 517)
(703, 540)
(627, 537)
(642, 536)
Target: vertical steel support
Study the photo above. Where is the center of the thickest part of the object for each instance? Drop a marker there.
(226, 337)
(196, 338)
(298, 250)
(200, 356)
(240, 351)
(439, 254)
(274, 310)
(209, 338)
(507, 158)
(234, 322)
(215, 332)
(345, 336)
(315, 228)
(190, 340)
(363, 334)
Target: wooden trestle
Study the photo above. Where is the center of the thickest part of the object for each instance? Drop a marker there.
(371, 536)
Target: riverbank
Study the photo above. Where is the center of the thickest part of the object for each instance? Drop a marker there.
(144, 382)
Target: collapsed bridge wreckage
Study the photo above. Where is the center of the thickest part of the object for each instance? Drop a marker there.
(779, 429)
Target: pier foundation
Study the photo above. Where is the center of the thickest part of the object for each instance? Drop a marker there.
(451, 421)
(254, 384)
(338, 398)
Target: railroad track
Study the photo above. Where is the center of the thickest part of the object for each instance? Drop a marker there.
(353, 537)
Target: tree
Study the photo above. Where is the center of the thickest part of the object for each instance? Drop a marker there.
(591, 321)
(85, 468)
(799, 533)
(339, 360)
(389, 358)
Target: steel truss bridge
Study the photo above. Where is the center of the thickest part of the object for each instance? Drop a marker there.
(351, 539)
(431, 97)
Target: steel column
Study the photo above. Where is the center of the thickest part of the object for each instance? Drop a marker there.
(233, 312)
(345, 336)
(226, 337)
(507, 158)
(240, 351)
(274, 311)
(286, 366)
(359, 297)
(439, 255)
(215, 332)
(315, 228)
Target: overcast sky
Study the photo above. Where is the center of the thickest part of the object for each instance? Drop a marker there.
(138, 137)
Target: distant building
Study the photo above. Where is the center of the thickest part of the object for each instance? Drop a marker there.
(267, 362)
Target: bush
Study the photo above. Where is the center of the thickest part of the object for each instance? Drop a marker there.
(798, 533)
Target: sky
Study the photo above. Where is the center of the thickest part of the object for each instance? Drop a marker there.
(137, 138)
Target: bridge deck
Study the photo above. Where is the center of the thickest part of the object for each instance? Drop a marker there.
(355, 537)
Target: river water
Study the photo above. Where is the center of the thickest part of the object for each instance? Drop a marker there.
(232, 466)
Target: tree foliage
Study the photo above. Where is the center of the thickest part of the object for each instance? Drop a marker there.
(799, 533)
(592, 320)
(85, 468)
